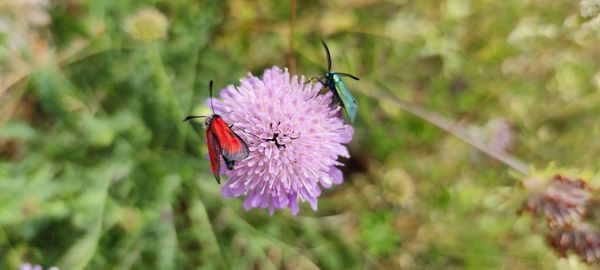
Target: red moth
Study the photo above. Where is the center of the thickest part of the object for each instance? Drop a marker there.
(222, 141)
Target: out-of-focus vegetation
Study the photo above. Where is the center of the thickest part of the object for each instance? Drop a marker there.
(98, 172)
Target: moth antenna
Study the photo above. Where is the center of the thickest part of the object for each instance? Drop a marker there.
(328, 56)
(210, 87)
(187, 118)
(347, 75)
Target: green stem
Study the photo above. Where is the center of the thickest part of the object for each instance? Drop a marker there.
(291, 58)
(81, 253)
(166, 91)
(200, 217)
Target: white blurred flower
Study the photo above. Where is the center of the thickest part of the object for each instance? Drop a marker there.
(22, 26)
(497, 134)
(29, 266)
(589, 8)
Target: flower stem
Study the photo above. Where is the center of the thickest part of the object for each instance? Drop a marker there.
(166, 90)
(450, 127)
(291, 58)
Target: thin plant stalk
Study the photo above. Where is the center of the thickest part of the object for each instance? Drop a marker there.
(166, 90)
(291, 58)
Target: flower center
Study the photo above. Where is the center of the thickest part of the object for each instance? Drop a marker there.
(281, 135)
(276, 141)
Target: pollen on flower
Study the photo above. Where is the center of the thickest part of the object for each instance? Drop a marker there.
(294, 136)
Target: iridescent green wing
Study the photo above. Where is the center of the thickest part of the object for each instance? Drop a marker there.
(348, 101)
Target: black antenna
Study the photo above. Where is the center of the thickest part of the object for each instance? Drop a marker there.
(328, 56)
(192, 117)
(347, 75)
(211, 96)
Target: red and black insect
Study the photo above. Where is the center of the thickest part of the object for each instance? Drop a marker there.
(222, 141)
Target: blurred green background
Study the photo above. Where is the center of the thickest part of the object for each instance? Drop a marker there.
(98, 172)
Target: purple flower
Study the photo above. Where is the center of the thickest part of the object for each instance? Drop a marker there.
(28, 266)
(294, 136)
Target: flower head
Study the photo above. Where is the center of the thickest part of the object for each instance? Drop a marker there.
(398, 187)
(570, 209)
(582, 241)
(147, 25)
(589, 8)
(294, 136)
(561, 200)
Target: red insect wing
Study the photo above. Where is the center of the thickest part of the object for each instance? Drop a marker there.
(214, 152)
(232, 146)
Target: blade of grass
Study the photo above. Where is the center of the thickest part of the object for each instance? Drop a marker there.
(82, 252)
(167, 92)
(242, 225)
(200, 218)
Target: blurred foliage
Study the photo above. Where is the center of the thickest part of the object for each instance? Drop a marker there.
(98, 172)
